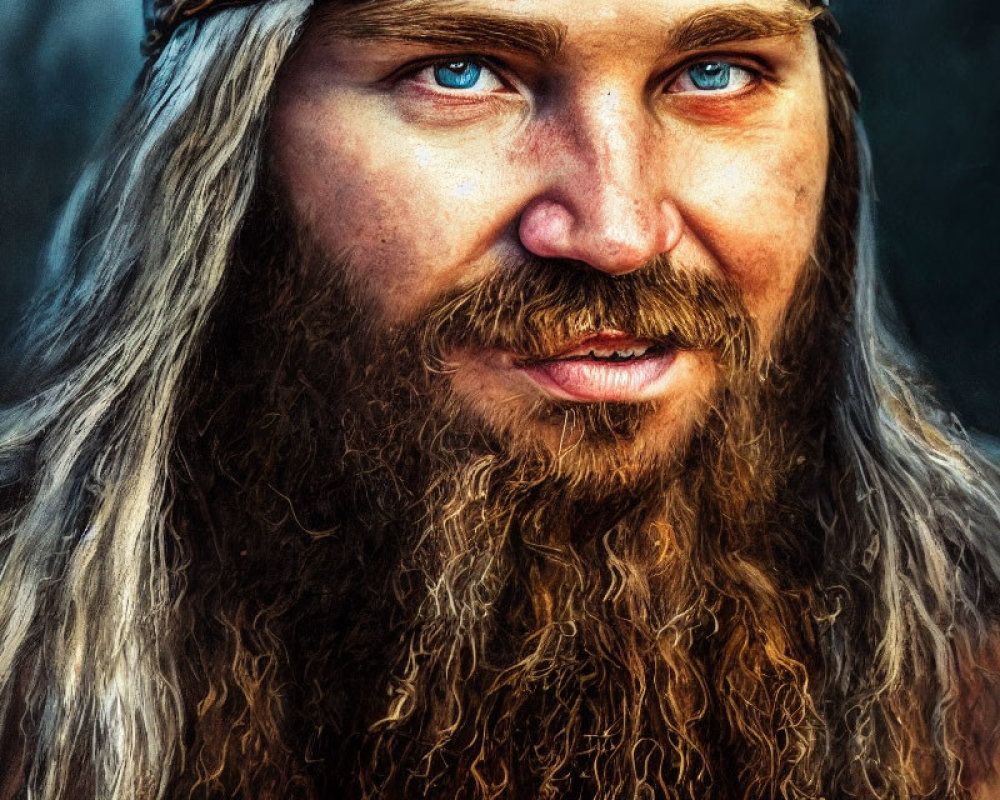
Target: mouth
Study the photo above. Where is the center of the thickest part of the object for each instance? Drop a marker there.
(609, 367)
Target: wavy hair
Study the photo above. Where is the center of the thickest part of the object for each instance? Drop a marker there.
(89, 598)
(86, 597)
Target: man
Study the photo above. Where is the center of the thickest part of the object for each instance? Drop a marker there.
(475, 399)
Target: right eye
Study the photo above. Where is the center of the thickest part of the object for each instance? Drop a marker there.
(464, 75)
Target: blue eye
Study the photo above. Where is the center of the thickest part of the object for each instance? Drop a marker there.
(711, 76)
(721, 77)
(462, 77)
(457, 74)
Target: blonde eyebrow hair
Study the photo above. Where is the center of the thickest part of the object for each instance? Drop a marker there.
(449, 23)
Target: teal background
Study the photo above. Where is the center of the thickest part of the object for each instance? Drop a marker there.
(929, 72)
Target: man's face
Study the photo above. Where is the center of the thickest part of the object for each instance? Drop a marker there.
(538, 253)
(430, 146)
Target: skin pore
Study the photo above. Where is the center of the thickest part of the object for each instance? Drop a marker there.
(432, 144)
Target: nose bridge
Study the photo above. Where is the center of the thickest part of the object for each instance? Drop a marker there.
(602, 203)
(608, 138)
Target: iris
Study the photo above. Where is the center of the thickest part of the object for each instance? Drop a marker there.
(457, 74)
(711, 75)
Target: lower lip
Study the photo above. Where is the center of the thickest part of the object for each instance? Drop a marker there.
(594, 381)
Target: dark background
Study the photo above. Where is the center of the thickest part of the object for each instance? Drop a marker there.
(930, 77)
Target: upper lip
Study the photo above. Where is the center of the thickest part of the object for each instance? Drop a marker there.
(615, 341)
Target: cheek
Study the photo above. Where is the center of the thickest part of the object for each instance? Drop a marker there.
(410, 227)
(753, 208)
(344, 193)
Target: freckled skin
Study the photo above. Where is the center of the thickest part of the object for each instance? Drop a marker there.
(590, 157)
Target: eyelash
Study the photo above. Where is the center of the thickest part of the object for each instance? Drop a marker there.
(411, 71)
(756, 73)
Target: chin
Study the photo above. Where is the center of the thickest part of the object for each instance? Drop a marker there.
(595, 447)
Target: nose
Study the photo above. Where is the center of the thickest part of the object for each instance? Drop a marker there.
(603, 201)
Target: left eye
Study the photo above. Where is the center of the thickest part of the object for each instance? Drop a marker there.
(460, 75)
(713, 76)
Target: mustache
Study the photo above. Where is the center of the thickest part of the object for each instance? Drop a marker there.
(535, 307)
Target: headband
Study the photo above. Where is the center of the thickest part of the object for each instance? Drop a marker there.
(162, 17)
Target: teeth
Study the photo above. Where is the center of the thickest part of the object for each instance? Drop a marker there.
(634, 352)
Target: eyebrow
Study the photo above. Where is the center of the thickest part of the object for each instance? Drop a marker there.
(449, 24)
(737, 24)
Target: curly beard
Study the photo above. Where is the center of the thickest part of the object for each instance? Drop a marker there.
(451, 608)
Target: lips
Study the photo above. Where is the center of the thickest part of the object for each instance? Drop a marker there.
(607, 367)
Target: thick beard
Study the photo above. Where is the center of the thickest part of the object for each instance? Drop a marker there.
(576, 628)
(476, 617)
